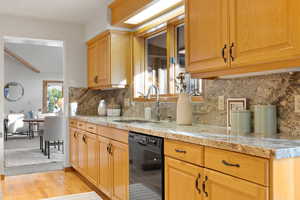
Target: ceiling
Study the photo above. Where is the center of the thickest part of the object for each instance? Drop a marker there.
(47, 59)
(75, 11)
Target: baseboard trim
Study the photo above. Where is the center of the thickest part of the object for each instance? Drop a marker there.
(69, 169)
(2, 177)
(91, 185)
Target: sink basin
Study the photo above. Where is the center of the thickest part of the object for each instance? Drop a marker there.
(135, 121)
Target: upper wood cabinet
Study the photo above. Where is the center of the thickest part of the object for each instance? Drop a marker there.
(226, 37)
(206, 35)
(109, 60)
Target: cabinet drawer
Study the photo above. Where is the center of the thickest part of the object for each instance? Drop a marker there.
(92, 128)
(184, 151)
(247, 167)
(73, 123)
(113, 133)
(81, 125)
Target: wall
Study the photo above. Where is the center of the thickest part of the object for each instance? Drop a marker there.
(32, 83)
(276, 89)
(74, 55)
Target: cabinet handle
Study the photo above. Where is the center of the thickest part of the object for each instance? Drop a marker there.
(180, 151)
(197, 184)
(96, 79)
(84, 138)
(110, 149)
(230, 164)
(74, 135)
(223, 53)
(107, 148)
(231, 52)
(204, 186)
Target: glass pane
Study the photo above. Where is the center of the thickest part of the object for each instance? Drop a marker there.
(55, 98)
(194, 86)
(156, 53)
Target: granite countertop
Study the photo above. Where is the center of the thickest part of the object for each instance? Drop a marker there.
(276, 147)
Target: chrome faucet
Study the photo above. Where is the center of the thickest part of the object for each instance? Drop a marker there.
(156, 89)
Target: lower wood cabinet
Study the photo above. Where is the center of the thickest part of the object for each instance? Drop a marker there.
(120, 170)
(182, 180)
(114, 169)
(102, 160)
(92, 145)
(105, 178)
(73, 147)
(217, 186)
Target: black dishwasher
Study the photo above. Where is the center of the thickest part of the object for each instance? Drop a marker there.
(146, 167)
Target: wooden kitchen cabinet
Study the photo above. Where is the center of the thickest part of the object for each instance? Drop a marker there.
(82, 153)
(220, 186)
(120, 170)
(92, 145)
(105, 178)
(109, 60)
(207, 40)
(182, 180)
(114, 169)
(73, 147)
(225, 37)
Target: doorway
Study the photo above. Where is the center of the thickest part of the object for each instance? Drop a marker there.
(33, 105)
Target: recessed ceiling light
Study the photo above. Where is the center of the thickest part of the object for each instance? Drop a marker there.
(156, 8)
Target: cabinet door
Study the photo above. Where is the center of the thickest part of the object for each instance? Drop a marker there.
(105, 176)
(264, 31)
(103, 54)
(182, 180)
(207, 35)
(92, 158)
(219, 186)
(82, 153)
(120, 168)
(73, 147)
(92, 65)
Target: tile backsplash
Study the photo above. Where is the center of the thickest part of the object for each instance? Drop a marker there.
(276, 89)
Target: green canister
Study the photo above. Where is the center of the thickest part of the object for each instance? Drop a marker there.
(265, 119)
(241, 122)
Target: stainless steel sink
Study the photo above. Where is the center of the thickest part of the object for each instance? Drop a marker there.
(135, 121)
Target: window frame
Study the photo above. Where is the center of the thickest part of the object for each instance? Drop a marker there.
(45, 92)
(140, 59)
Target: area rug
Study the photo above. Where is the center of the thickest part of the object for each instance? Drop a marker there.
(82, 196)
(30, 156)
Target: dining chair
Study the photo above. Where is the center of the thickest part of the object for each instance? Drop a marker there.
(53, 133)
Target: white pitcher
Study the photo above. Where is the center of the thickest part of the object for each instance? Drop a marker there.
(184, 110)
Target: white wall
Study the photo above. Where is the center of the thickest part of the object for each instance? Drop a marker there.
(32, 83)
(74, 55)
(100, 23)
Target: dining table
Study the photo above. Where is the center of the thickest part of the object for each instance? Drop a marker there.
(31, 130)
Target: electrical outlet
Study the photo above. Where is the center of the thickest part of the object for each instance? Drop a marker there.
(221, 100)
(297, 103)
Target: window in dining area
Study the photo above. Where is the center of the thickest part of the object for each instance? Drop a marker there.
(52, 96)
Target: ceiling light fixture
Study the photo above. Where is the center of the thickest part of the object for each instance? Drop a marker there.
(154, 9)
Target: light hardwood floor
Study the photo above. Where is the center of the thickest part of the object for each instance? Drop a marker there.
(42, 185)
